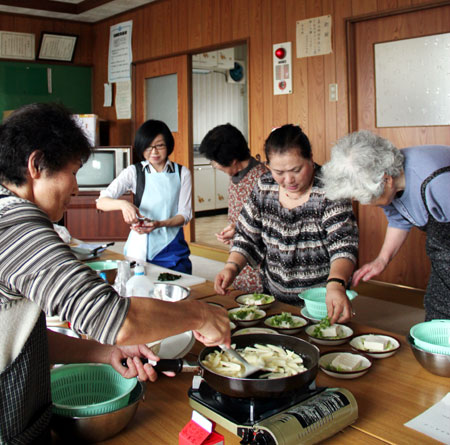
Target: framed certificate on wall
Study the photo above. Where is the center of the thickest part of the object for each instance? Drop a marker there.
(57, 46)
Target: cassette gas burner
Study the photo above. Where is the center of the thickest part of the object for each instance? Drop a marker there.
(305, 416)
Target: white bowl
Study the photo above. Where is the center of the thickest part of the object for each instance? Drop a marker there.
(326, 359)
(329, 341)
(232, 325)
(241, 300)
(255, 331)
(260, 314)
(290, 330)
(357, 345)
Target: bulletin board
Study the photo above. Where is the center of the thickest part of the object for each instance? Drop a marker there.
(23, 83)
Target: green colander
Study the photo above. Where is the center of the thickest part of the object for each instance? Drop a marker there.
(89, 389)
(432, 336)
(315, 301)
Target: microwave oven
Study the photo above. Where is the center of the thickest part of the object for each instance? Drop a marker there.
(102, 167)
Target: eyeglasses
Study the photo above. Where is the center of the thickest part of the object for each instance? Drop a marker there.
(157, 147)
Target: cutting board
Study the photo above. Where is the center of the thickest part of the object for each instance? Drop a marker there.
(152, 271)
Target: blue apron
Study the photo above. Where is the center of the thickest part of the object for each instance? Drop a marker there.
(165, 246)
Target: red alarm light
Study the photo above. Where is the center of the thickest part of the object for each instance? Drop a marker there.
(280, 53)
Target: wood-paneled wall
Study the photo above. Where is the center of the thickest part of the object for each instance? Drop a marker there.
(169, 27)
(84, 31)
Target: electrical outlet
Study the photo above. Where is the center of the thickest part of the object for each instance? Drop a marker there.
(333, 92)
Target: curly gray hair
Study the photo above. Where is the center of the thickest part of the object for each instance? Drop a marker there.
(357, 167)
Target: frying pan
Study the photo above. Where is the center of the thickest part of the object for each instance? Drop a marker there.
(253, 387)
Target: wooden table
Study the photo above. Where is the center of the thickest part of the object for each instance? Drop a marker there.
(394, 391)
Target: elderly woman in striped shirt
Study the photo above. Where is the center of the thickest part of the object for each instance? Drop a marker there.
(287, 227)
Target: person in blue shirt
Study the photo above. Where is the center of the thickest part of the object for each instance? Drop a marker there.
(412, 186)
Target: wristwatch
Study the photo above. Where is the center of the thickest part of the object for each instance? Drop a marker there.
(337, 280)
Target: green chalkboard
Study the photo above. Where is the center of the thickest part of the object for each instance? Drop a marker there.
(24, 83)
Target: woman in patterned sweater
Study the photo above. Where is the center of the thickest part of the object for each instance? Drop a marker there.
(299, 238)
(227, 149)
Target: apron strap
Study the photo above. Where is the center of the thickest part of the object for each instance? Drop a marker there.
(428, 180)
(140, 184)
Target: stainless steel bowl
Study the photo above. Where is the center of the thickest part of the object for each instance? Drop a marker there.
(170, 292)
(438, 364)
(97, 428)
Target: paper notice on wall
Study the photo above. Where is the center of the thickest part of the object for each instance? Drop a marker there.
(16, 45)
(120, 53)
(435, 421)
(314, 36)
(107, 101)
(123, 100)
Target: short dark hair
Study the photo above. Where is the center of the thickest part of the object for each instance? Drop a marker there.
(223, 144)
(286, 138)
(47, 127)
(147, 132)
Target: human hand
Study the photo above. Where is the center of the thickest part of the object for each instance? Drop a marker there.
(216, 328)
(226, 235)
(135, 367)
(146, 226)
(129, 212)
(339, 307)
(223, 280)
(369, 271)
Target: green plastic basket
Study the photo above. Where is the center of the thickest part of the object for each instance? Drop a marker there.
(315, 301)
(432, 336)
(89, 389)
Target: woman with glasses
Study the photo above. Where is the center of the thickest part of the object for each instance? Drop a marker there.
(162, 200)
(227, 149)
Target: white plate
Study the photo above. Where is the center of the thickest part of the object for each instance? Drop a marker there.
(327, 358)
(255, 331)
(305, 313)
(290, 330)
(55, 321)
(348, 332)
(357, 345)
(177, 346)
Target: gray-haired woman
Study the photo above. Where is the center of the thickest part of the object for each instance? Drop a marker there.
(412, 186)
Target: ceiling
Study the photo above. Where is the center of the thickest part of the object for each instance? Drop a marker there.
(78, 10)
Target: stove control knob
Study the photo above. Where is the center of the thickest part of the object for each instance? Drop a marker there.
(263, 438)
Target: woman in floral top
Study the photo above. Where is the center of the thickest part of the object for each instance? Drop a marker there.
(227, 149)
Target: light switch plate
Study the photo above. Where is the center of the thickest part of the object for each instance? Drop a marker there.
(333, 92)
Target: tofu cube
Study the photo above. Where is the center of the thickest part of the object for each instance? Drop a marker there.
(332, 331)
(346, 362)
(375, 343)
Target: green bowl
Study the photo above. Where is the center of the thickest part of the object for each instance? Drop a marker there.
(315, 301)
(88, 389)
(432, 336)
(106, 269)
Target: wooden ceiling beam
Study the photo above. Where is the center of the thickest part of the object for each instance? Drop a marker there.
(55, 6)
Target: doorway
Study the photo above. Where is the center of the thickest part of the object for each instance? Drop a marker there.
(219, 96)
(410, 267)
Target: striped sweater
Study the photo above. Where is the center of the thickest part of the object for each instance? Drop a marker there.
(294, 247)
(37, 266)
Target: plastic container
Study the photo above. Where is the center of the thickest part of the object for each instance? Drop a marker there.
(432, 336)
(315, 301)
(89, 389)
(139, 285)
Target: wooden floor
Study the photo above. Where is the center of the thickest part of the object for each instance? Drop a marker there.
(206, 227)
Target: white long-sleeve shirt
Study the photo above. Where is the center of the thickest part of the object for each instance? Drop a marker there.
(126, 182)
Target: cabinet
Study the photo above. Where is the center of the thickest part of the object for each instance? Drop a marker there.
(221, 189)
(210, 188)
(86, 223)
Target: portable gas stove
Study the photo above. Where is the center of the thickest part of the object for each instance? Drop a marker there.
(298, 417)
